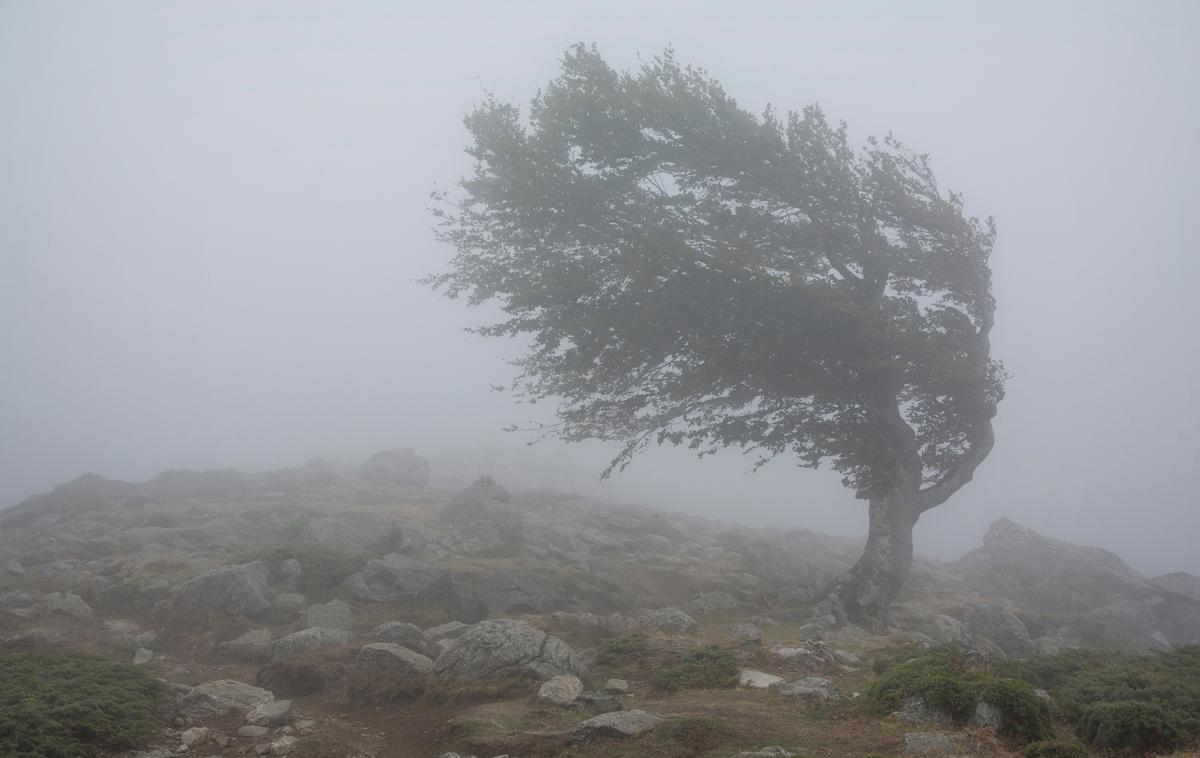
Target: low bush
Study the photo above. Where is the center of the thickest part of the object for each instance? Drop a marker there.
(1055, 749)
(946, 680)
(617, 650)
(1131, 725)
(1119, 700)
(63, 704)
(709, 667)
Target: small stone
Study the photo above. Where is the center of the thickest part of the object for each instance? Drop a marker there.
(617, 685)
(197, 735)
(250, 730)
(336, 614)
(561, 690)
(772, 751)
(284, 745)
(757, 679)
(987, 716)
(747, 634)
(812, 688)
(619, 724)
(142, 656)
(270, 714)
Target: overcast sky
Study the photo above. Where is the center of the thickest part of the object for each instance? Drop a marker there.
(212, 213)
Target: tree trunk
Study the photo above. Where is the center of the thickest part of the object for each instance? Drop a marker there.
(868, 591)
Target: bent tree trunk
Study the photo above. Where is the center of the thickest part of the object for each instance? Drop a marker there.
(868, 590)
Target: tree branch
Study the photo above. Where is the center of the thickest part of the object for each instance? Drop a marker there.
(961, 472)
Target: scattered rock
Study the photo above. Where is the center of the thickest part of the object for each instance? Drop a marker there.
(397, 578)
(482, 511)
(561, 690)
(987, 716)
(307, 639)
(254, 645)
(197, 735)
(491, 648)
(284, 745)
(236, 590)
(217, 698)
(709, 602)
(336, 614)
(666, 620)
(252, 731)
(747, 634)
(275, 713)
(811, 688)
(616, 725)
(916, 711)
(1001, 626)
(757, 679)
(142, 656)
(66, 604)
(773, 751)
(617, 685)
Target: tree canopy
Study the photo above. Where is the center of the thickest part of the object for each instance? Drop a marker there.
(694, 274)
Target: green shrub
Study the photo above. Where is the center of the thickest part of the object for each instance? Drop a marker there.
(944, 679)
(1055, 749)
(708, 667)
(63, 704)
(1131, 725)
(1082, 680)
(617, 650)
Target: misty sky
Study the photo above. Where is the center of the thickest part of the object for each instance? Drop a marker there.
(212, 214)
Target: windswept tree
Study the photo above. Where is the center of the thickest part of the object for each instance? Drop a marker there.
(690, 273)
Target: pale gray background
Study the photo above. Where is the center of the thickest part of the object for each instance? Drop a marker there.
(211, 214)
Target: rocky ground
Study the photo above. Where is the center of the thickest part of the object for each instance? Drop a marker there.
(335, 611)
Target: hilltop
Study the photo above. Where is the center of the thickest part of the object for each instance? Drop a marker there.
(375, 611)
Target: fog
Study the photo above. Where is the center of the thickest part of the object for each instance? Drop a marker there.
(212, 215)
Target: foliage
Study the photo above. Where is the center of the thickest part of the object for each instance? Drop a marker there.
(708, 667)
(945, 680)
(1094, 687)
(63, 704)
(1055, 749)
(617, 650)
(1131, 725)
(690, 273)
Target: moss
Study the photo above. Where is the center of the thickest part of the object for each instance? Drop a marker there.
(63, 704)
(946, 680)
(1131, 725)
(617, 650)
(1055, 749)
(708, 667)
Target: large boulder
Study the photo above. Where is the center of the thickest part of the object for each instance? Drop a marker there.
(355, 531)
(1181, 583)
(236, 590)
(1001, 626)
(385, 671)
(670, 619)
(501, 647)
(1048, 575)
(219, 698)
(482, 511)
(616, 725)
(397, 578)
(397, 467)
(307, 639)
(336, 614)
(509, 590)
